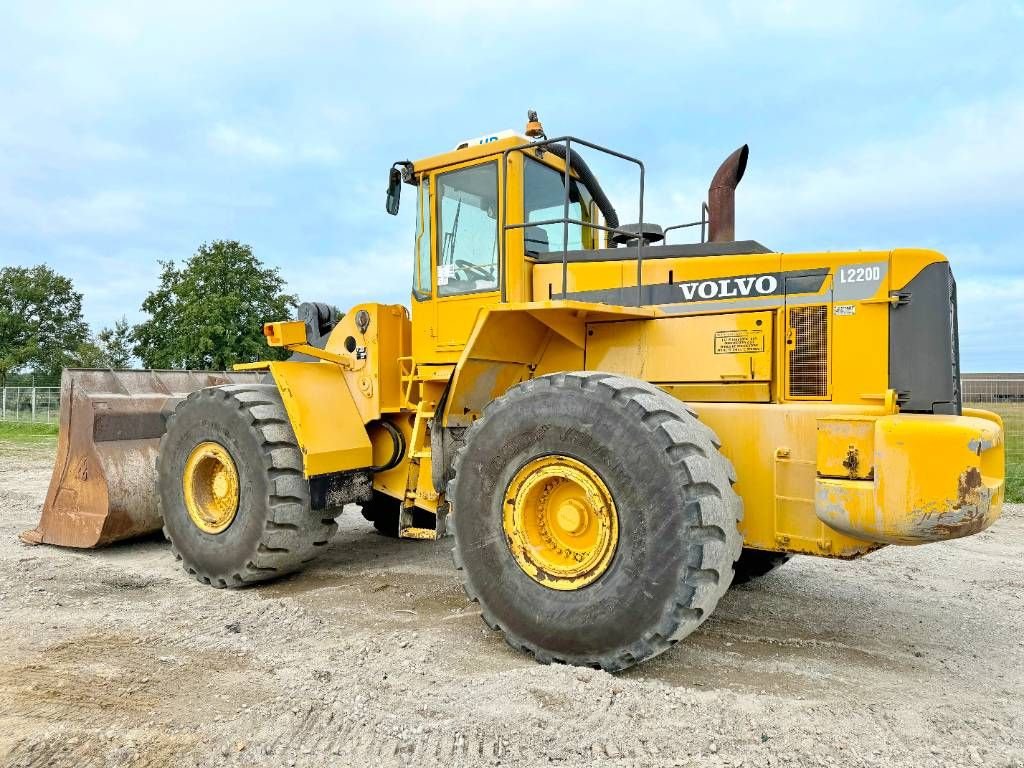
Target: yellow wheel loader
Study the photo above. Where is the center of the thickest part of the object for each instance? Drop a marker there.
(614, 428)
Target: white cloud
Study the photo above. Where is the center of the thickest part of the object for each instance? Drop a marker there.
(966, 161)
(988, 306)
(103, 211)
(233, 141)
(250, 145)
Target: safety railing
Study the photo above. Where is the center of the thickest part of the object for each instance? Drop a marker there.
(702, 223)
(567, 220)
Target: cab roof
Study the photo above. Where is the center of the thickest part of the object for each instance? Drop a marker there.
(486, 146)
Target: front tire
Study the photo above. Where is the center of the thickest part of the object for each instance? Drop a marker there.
(266, 528)
(630, 449)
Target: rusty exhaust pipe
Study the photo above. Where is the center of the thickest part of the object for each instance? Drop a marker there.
(722, 197)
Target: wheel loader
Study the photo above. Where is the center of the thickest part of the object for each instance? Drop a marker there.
(613, 428)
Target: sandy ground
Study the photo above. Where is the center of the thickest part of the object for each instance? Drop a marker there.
(909, 657)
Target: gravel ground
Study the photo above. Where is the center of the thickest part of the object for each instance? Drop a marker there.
(912, 656)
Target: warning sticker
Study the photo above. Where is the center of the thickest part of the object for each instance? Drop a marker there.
(845, 310)
(445, 272)
(739, 342)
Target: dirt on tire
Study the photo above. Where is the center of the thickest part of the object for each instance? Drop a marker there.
(373, 656)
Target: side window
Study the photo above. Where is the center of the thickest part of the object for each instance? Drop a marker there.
(544, 200)
(421, 280)
(467, 256)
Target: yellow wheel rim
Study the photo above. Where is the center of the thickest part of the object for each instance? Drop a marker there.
(560, 522)
(210, 483)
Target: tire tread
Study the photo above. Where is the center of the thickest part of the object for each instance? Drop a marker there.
(293, 534)
(708, 475)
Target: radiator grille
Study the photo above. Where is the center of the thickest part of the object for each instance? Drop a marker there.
(808, 358)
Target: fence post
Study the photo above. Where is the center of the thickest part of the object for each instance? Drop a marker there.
(3, 408)
(33, 399)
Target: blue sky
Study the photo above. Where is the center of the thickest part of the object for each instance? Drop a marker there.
(131, 132)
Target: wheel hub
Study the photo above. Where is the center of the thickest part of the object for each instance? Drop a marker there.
(560, 522)
(210, 483)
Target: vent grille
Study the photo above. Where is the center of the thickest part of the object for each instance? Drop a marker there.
(808, 358)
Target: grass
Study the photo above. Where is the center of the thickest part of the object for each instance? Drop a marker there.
(1013, 430)
(26, 432)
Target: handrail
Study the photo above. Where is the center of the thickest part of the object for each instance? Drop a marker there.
(703, 223)
(566, 220)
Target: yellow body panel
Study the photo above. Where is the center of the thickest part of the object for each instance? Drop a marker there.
(939, 477)
(725, 348)
(323, 414)
(846, 447)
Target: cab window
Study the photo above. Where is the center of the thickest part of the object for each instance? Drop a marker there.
(544, 199)
(421, 280)
(467, 254)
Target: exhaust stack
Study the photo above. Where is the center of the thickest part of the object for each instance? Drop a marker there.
(722, 197)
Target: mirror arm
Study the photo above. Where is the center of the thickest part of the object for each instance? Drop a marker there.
(408, 172)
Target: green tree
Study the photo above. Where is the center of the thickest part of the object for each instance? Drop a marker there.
(41, 323)
(210, 313)
(89, 355)
(110, 348)
(115, 344)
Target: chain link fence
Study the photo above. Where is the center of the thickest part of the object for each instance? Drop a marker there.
(37, 405)
(1002, 393)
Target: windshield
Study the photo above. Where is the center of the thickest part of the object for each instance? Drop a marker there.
(544, 200)
(468, 221)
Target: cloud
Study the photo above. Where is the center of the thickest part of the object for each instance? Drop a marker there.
(103, 211)
(988, 306)
(249, 145)
(965, 162)
(232, 141)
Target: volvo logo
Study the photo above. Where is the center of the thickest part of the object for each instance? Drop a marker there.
(730, 287)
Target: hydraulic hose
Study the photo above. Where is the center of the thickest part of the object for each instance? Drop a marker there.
(578, 164)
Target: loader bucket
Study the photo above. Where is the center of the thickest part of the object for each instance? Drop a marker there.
(104, 484)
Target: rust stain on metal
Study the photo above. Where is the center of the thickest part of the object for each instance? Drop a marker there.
(968, 487)
(722, 196)
(852, 461)
(970, 513)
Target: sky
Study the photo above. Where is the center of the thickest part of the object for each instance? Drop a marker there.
(132, 132)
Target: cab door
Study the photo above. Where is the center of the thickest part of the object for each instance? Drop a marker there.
(467, 269)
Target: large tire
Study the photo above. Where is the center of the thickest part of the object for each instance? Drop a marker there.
(677, 518)
(755, 563)
(274, 531)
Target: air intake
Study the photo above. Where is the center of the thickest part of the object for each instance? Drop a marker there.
(808, 355)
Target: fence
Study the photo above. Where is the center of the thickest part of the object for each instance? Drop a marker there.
(39, 405)
(1004, 394)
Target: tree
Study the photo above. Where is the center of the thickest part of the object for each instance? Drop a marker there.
(41, 323)
(115, 344)
(110, 348)
(210, 313)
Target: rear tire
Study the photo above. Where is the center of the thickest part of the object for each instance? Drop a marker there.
(755, 563)
(274, 531)
(676, 512)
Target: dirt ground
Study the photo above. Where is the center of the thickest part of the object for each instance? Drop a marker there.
(909, 657)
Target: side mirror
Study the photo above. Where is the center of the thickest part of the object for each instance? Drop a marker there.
(394, 190)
